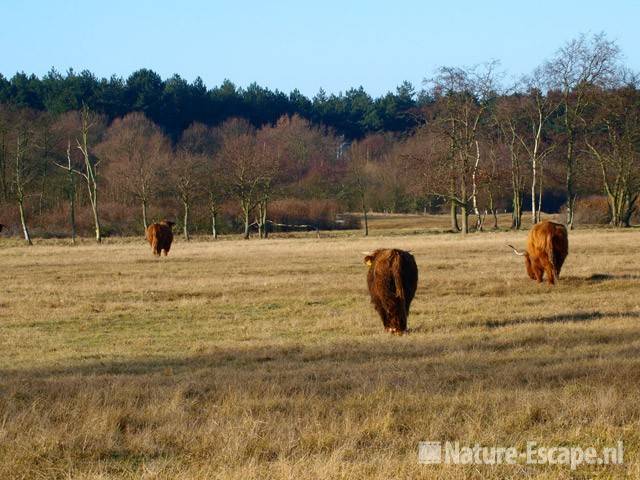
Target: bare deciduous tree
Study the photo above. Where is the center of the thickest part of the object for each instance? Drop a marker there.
(90, 127)
(614, 142)
(138, 154)
(462, 98)
(201, 140)
(581, 64)
(241, 174)
(268, 164)
(24, 172)
(359, 177)
(538, 109)
(508, 120)
(188, 172)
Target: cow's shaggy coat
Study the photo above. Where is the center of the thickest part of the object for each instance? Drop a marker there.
(547, 248)
(160, 235)
(392, 279)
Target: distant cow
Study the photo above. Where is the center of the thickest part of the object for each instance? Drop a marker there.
(547, 248)
(160, 235)
(1, 227)
(392, 279)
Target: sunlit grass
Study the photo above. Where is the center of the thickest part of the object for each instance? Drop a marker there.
(264, 359)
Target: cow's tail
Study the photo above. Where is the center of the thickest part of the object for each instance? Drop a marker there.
(396, 267)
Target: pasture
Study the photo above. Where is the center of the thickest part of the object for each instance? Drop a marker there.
(265, 359)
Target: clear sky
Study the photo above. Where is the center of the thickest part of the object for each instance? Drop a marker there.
(306, 45)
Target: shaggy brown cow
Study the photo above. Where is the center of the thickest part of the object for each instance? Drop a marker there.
(160, 235)
(547, 247)
(392, 279)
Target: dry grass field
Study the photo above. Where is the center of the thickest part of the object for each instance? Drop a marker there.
(264, 359)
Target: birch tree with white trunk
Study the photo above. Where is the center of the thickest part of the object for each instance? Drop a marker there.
(581, 64)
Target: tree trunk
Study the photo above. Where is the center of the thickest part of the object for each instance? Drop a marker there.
(20, 183)
(72, 206)
(571, 195)
(185, 225)
(612, 200)
(492, 209)
(96, 218)
(465, 218)
(516, 219)
(213, 211)
(91, 172)
(538, 214)
(246, 213)
(454, 217)
(464, 207)
(214, 231)
(476, 211)
(533, 190)
(23, 221)
(263, 219)
(366, 219)
(144, 214)
(260, 226)
(630, 208)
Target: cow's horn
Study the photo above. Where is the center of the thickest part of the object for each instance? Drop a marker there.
(366, 253)
(516, 251)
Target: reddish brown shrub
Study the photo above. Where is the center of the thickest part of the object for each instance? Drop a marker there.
(591, 210)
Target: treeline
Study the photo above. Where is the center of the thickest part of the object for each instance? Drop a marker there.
(174, 103)
(565, 137)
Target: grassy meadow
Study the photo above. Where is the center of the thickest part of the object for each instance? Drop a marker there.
(264, 359)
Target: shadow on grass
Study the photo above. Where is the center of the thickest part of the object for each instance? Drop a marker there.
(563, 318)
(415, 363)
(595, 279)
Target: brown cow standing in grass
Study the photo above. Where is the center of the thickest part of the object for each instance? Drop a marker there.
(547, 248)
(160, 235)
(392, 279)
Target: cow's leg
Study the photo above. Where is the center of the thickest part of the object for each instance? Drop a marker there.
(538, 271)
(383, 315)
(154, 248)
(166, 250)
(390, 305)
(558, 264)
(403, 320)
(551, 277)
(386, 323)
(403, 312)
(397, 317)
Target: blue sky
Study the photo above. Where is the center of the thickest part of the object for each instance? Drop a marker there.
(307, 45)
